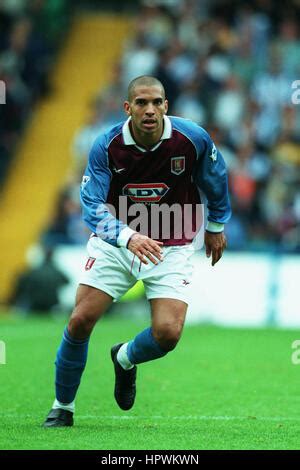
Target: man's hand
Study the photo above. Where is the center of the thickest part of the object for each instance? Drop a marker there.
(215, 244)
(144, 247)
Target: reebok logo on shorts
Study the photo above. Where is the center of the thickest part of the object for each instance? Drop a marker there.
(89, 263)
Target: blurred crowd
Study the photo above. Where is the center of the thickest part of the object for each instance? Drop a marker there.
(30, 33)
(229, 67)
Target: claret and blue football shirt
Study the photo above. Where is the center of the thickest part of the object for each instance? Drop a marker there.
(184, 163)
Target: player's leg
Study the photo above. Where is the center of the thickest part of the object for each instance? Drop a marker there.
(71, 356)
(90, 305)
(168, 317)
(166, 285)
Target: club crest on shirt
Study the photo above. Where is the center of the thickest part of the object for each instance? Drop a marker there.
(177, 165)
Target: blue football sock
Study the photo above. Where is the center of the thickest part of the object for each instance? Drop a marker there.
(144, 348)
(70, 363)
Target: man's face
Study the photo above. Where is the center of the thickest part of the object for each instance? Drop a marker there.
(147, 108)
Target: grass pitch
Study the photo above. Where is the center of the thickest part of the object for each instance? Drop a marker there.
(220, 389)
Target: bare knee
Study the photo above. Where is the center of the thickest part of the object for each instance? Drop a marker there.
(83, 319)
(80, 326)
(90, 305)
(168, 335)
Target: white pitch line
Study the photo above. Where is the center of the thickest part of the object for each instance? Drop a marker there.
(168, 418)
(195, 418)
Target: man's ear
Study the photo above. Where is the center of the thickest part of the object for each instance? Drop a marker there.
(166, 106)
(127, 108)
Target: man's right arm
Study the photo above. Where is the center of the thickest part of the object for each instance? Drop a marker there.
(100, 220)
(93, 195)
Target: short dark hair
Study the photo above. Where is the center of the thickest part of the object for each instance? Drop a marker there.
(146, 80)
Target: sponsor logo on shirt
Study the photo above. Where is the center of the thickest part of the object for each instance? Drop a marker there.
(145, 192)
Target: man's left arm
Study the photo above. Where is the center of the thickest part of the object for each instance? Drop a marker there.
(211, 177)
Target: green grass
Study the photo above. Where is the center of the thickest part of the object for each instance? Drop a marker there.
(220, 389)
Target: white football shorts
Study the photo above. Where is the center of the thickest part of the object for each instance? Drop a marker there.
(115, 270)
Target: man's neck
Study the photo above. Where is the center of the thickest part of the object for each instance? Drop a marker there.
(145, 140)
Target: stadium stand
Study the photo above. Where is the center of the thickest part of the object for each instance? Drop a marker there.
(229, 69)
(42, 161)
(30, 35)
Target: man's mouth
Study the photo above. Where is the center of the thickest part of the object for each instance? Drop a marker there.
(149, 123)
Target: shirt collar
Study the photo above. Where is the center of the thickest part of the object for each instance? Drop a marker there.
(129, 140)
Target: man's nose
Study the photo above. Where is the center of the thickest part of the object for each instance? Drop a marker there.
(150, 110)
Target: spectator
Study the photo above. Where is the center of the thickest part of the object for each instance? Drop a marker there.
(37, 289)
